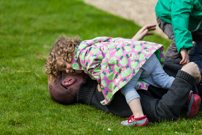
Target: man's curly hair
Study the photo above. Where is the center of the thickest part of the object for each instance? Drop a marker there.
(63, 48)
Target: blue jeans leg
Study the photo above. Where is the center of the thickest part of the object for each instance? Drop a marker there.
(129, 90)
(154, 74)
(151, 72)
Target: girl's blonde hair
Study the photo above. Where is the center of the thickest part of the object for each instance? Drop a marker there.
(63, 48)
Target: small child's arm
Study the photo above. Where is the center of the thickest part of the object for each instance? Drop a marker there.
(99, 86)
(185, 56)
(144, 31)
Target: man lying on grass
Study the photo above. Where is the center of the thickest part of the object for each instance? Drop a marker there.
(157, 103)
(116, 64)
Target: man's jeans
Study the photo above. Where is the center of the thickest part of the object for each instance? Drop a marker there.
(196, 56)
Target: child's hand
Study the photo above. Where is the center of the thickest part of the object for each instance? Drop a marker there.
(70, 71)
(144, 31)
(73, 72)
(99, 87)
(185, 56)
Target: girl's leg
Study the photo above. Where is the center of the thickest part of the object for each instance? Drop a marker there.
(132, 97)
(154, 74)
(136, 107)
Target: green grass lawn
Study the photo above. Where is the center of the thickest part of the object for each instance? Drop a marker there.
(28, 29)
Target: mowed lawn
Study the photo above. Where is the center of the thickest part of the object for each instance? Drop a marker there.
(28, 29)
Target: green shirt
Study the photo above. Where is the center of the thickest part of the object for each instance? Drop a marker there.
(185, 17)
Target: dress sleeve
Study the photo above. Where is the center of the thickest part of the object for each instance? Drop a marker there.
(89, 56)
(93, 68)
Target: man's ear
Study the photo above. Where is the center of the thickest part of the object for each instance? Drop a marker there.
(60, 94)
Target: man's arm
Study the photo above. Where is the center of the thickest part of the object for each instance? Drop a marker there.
(159, 104)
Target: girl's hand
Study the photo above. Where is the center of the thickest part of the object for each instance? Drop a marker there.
(73, 72)
(144, 31)
(99, 87)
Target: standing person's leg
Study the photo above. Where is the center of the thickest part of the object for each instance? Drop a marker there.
(167, 28)
(196, 53)
(133, 99)
(196, 56)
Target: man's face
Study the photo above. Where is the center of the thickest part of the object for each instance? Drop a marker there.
(62, 95)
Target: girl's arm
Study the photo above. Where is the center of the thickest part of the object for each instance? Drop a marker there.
(99, 86)
(144, 31)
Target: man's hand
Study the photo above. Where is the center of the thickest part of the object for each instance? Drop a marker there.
(192, 69)
(185, 56)
(144, 31)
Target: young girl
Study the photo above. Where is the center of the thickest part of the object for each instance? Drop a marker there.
(116, 64)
